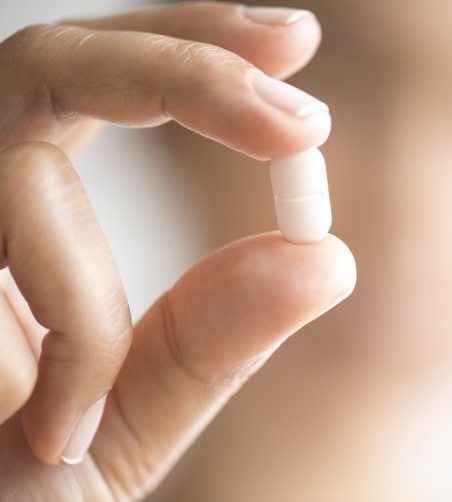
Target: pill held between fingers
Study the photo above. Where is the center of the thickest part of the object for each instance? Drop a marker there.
(302, 202)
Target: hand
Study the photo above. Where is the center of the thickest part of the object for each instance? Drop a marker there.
(221, 321)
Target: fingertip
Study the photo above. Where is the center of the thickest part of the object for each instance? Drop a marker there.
(251, 112)
(293, 119)
(83, 434)
(343, 274)
(268, 288)
(342, 265)
(270, 133)
(299, 282)
(276, 47)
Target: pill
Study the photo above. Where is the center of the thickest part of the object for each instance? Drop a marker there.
(302, 202)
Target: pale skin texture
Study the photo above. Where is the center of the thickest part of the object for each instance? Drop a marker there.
(220, 322)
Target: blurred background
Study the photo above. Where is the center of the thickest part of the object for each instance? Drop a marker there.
(357, 408)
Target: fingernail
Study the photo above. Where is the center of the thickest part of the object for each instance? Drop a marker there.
(83, 434)
(287, 98)
(276, 16)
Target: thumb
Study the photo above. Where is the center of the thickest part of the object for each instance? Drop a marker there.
(201, 340)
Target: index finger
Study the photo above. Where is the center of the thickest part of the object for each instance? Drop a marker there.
(140, 79)
(61, 262)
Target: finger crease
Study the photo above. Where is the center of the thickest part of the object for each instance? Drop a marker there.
(85, 39)
(172, 343)
(53, 103)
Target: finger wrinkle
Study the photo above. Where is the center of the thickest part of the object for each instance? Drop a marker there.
(170, 334)
(196, 53)
(186, 53)
(85, 39)
(52, 44)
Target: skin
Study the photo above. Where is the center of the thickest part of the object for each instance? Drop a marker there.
(170, 374)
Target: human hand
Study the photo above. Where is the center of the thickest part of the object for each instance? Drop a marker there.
(223, 318)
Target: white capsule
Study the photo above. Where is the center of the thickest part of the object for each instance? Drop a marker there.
(302, 201)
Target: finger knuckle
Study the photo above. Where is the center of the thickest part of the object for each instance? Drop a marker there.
(41, 175)
(32, 39)
(28, 56)
(24, 52)
(27, 37)
(35, 152)
(35, 166)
